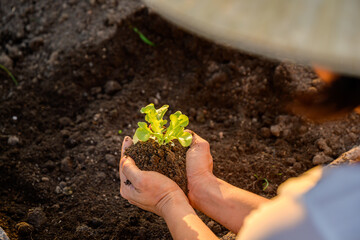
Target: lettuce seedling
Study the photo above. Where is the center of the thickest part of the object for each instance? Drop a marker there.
(158, 131)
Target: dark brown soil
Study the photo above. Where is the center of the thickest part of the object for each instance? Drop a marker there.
(59, 141)
(167, 159)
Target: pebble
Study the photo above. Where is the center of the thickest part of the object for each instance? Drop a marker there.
(96, 117)
(58, 190)
(321, 158)
(65, 121)
(112, 87)
(36, 217)
(6, 61)
(221, 135)
(275, 130)
(67, 191)
(24, 229)
(66, 164)
(111, 160)
(13, 140)
(45, 179)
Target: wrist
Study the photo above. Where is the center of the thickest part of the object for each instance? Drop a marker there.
(174, 200)
(199, 187)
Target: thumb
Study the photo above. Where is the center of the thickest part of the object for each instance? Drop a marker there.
(125, 144)
(130, 170)
(199, 147)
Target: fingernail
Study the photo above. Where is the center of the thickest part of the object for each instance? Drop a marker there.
(127, 138)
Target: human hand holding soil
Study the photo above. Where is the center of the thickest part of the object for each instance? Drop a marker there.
(199, 165)
(218, 199)
(148, 190)
(157, 193)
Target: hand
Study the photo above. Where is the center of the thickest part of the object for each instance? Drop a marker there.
(148, 190)
(199, 164)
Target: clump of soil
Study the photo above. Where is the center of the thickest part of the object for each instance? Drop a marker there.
(166, 159)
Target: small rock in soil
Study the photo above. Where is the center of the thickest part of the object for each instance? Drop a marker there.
(112, 87)
(275, 130)
(321, 158)
(67, 191)
(45, 179)
(65, 121)
(13, 140)
(6, 61)
(24, 229)
(111, 160)
(84, 231)
(36, 217)
(66, 164)
(221, 135)
(58, 190)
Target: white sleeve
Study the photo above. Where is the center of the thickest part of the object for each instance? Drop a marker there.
(324, 203)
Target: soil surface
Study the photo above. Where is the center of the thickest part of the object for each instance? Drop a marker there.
(166, 159)
(84, 74)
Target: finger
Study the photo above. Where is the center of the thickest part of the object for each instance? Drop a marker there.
(130, 170)
(199, 144)
(126, 143)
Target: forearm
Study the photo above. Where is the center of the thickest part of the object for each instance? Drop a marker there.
(183, 223)
(224, 203)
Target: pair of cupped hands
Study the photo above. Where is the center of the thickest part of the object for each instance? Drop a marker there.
(155, 192)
